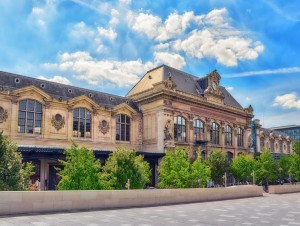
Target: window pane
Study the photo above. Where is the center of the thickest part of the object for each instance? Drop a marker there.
(82, 112)
(122, 131)
(123, 118)
(38, 116)
(88, 114)
(76, 113)
(30, 105)
(38, 107)
(88, 125)
(118, 118)
(22, 114)
(118, 135)
(127, 120)
(81, 128)
(22, 105)
(127, 132)
(30, 115)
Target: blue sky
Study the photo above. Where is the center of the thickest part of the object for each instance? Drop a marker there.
(109, 45)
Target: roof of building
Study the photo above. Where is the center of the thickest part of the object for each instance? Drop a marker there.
(10, 81)
(192, 84)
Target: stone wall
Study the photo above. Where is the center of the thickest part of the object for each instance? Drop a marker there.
(20, 202)
(282, 189)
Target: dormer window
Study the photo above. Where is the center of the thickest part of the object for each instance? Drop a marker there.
(82, 123)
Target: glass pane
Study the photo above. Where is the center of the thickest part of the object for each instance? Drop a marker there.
(118, 135)
(75, 124)
(88, 125)
(21, 122)
(38, 123)
(30, 115)
(22, 105)
(22, 114)
(29, 129)
(81, 128)
(122, 131)
(21, 129)
(30, 105)
(82, 112)
(179, 120)
(183, 121)
(38, 107)
(38, 116)
(127, 120)
(118, 118)
(127, 133)
(76, 113)
(123, 118)
(175, 120)
(88, 114)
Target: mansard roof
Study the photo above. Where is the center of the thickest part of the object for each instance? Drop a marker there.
(10, 81)
(184, 82)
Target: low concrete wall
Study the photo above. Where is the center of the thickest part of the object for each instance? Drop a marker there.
(286, 188)
(18, 202)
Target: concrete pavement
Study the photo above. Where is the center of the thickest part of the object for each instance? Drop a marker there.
(267, 210)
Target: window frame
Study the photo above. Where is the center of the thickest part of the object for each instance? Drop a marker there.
(228, 135)
(240, 137)
(124, 127)
(180, 129)
(198, 129)
(30, 116)
(78, 132)
(215, 133)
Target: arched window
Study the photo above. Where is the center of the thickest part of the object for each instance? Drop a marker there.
(81, 123)
(198, 130)
(122, 127)
(214, 133)
(229, 156)
(179, 129)
(30, 117)
(240, 137)
(228, 135)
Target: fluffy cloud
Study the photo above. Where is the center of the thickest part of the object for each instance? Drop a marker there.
(42, 14)
(100, 72)
(288, 100)
(212, 36)
(57, 78)
(107, 33)
(173, 60)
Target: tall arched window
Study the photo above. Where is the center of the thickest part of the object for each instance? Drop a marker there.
(215, 133)
(30, 117)
(81, 123)
(122, 127)
(179, 129)
(198, 130)
(240, 137)
(228, 135)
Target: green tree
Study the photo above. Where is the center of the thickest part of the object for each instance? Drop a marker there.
(122, 165)
(177, 171)
(266, 169)
(81, 170)
(295, 162)
(242, 167)
(285, 163)
(218, 164)
(14, 174)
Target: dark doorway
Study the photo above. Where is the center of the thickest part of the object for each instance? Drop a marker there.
(53, 177)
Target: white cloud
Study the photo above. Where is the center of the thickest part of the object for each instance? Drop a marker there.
(212, 36)
(100, 72)
(107, 33)
(264, 72)
(288, 100)
(125, 1)
(41, 15)
(171, 59)
(114, 17)
(57, 78)
(229, 88)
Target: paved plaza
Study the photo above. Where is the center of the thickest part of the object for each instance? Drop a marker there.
(267, 210)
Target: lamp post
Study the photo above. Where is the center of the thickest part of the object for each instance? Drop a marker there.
(253, 177)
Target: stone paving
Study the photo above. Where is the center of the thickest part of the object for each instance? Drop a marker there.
(268, 210)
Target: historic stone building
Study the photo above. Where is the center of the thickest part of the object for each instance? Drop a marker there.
(165, 109)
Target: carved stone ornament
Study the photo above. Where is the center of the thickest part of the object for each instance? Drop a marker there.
(3, 115)
(169, 84)
(58, 121)
(104, 126)
(167, 131)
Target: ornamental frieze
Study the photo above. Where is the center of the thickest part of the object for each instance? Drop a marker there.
(104, 126)
(3, 114)
(58, 121)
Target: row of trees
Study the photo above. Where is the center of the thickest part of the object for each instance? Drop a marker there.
(123, 169)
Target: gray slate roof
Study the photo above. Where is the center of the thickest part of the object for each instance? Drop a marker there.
(194, 85)
(57, 90)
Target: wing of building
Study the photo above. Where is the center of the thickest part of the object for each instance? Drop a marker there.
(165, 109)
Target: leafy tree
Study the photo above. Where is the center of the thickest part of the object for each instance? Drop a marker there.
(177, 171)
(285, 163)
(13, 173)
(218, 164)
(122, 165)
(80, 171)
(295, 162)
(242, 167)
(266, 169)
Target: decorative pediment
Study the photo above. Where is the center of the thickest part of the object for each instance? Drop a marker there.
(31, 92)
(84, 101)
(124, 108)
